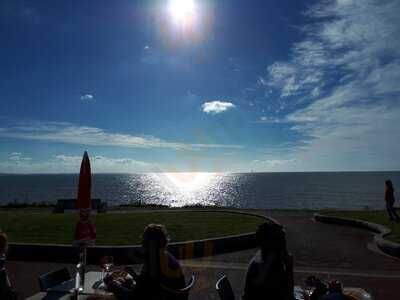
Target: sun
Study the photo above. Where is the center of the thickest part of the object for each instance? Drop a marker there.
(181, 11)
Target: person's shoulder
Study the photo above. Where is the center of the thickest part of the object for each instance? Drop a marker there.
(256, 261)
(257, 258)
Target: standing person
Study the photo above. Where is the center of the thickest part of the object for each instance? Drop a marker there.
(160, 268)
(389, 198)
(270, 272)
(6, 291)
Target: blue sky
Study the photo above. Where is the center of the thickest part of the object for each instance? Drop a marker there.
(220, 86)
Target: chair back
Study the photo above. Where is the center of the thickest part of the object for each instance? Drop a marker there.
(224, 289)
(54, 278)
(181, 293)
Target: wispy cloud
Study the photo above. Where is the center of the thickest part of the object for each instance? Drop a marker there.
(268, 119)
(346, 70)
(102, 163)
(216, 107)
(71, 163)
(18, 157)
(299, 75)
(84, 135)
(15, 154)
(271, 164)
(99, 159)
(87, 97)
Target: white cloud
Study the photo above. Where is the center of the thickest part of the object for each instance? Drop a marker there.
(69, 159)
(350, 47)
(299, 75)
(345, 36)
(17, 157)
(84, 135)
(87, 97)
(316, 92)
(216, 107)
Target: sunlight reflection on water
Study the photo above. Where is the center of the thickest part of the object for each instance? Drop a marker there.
(350, 190)
(180, 189)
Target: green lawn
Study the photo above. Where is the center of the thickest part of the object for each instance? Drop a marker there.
(379, 217)
(123, 228)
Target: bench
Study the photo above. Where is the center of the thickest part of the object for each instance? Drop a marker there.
(63, 204)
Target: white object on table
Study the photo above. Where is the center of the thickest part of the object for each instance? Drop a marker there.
(90, 279)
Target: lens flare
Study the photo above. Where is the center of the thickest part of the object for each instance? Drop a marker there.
(182, 11)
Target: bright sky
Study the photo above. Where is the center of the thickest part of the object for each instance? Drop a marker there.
(190, 85)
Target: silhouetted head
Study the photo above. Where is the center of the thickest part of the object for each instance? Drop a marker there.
(3, 243)
(271, 237)
(389, 184)
(155, 234)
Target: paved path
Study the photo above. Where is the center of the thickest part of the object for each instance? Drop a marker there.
(328, 251)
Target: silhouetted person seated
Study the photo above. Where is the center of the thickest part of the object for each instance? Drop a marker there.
(6, 291)
(160, 268)
(270, 273)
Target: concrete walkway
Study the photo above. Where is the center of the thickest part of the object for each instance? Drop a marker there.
(327, 251)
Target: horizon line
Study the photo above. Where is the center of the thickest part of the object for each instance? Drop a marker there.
(224, 172)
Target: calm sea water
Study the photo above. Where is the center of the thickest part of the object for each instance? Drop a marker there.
(344, 190)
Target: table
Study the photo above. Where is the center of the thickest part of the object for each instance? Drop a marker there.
(63, 290)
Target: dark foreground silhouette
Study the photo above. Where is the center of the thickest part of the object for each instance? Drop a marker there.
(159, 270)
(270, 272)
(6, 290)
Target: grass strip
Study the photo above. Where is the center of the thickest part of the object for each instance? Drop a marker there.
(124, 228)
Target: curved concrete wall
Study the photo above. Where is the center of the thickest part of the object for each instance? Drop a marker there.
(388, 247)
(134, 254)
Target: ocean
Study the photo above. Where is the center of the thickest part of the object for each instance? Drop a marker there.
(313, 190)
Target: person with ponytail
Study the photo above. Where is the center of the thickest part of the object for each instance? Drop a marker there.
(270, 272)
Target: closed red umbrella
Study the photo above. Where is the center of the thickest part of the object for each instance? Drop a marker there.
(83, 200)
(85, 230)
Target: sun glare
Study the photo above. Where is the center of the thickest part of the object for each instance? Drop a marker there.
(190, 181)
(181, 11)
